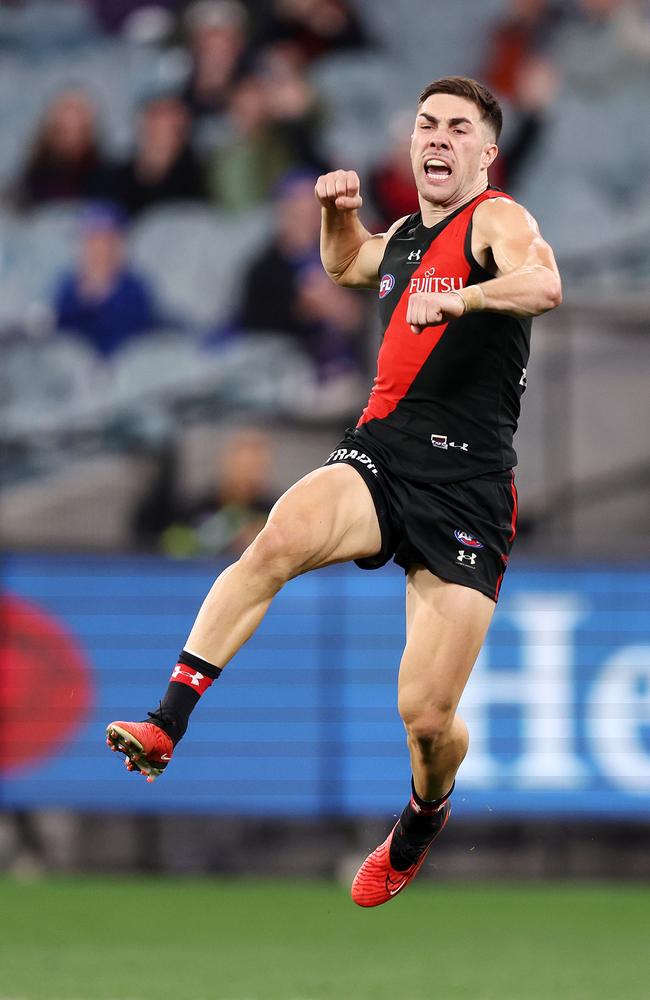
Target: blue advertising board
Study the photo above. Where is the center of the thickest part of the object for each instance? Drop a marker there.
(304, 721)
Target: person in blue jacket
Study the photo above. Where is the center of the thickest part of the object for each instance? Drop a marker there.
(102, 298)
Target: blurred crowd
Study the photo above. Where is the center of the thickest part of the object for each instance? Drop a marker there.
(240, 129)
(240, 132)
(246, 117)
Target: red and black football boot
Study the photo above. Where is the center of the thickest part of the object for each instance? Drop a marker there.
(377, 881)
(147, 747)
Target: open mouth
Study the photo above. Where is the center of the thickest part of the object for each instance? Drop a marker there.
(437, 169)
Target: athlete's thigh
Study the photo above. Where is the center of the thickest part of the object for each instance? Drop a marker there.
(446, 624)
(328, 516)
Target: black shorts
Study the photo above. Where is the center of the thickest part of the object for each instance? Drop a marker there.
(461, 532)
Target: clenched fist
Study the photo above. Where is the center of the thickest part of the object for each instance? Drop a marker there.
(340, 190)
(428, 309)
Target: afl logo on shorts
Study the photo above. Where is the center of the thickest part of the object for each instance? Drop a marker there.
(466, 539)
(386, 286)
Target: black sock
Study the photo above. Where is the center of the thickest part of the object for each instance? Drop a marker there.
(420, 821)
(190, 678)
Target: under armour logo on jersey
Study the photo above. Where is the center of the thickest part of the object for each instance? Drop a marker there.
(194, 679)
(414, 255)
(524, 378)
(440, 441)
(466, 557)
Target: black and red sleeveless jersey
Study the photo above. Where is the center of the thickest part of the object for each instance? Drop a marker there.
(445, 402)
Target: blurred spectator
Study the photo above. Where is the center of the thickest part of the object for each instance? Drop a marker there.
(163, 166)
(150, 25)
(391, 185)
(314, 27)
(217, 31)
(633, 20)
(270, 285)
(102, 298)
(272, 119)
(521, 70)
(536, 90)
(227, 519)
(243, 169)
(333, 322)
(65, 161)
(607, 48)
(111, 14)
(527, 29)
(292, 102)
(286, 291)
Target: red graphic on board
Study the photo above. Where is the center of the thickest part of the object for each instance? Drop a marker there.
(45, 684)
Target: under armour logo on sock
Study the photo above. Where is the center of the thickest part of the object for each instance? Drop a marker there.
(194, 679)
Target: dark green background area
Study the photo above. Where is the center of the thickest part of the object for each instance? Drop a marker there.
(162, 939)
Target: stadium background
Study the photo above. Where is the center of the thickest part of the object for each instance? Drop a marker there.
(130, 473)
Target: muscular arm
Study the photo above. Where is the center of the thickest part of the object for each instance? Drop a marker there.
(528, 281)
(350, 254)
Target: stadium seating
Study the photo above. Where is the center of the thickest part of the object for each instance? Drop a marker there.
(359, 90)
(161, 365)
(430, 42)
(34, 251)
(38, 27)
(587, 205)
(279, 370)
(195, 259)
(49, 387)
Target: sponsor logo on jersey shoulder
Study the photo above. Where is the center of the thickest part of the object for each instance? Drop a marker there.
(414, 255)
(465, 538)
(387, 284)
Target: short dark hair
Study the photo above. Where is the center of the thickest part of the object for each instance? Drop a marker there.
(464, 86)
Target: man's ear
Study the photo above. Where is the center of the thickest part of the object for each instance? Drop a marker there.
(489, 155)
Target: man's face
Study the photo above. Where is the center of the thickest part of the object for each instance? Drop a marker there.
(451, 148)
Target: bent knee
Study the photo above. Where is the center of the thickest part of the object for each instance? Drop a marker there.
(426, 724)
(279, 551)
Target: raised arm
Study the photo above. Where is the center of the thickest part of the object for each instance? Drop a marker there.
(350, 254)
(527, 281)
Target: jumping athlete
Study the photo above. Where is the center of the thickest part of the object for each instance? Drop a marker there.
(425, 477)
